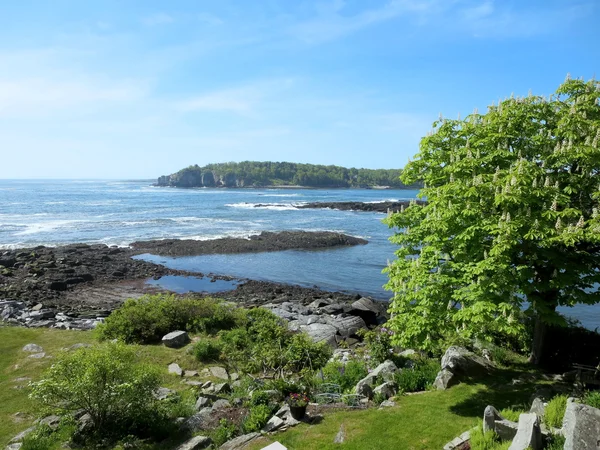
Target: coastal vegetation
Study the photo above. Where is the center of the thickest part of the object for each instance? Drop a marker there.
(511, 228)
(263, 174)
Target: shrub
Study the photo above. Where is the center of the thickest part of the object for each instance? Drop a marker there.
(418, 378)
(486, 441)
(257, 417)
(107, 383)
(207, 350)
(555, 411)
(44, 437)
(345, 375)
(224, 432)
(378, 343)
(592, 399)
(148, 318)
(259, 398)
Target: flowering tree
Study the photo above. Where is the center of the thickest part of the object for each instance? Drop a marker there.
(511, 220)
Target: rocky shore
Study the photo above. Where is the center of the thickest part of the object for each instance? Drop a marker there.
(381, 207)
(264, 242)
(75, 286)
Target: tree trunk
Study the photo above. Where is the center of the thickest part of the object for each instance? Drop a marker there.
(537, 347)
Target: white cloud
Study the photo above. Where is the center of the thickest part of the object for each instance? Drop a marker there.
(158, 19)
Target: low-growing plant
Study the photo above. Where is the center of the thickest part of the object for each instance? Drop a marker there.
(259, 398)
(224, 432)
(511, 414)
(44, 437)
(378, 343)
(555, 411)
(418, 378)
(107, 383)
(592, 398)
(207, 350)
(344, 375)
(148, 318)
(555, 442)
(257, 418)
(486, 441)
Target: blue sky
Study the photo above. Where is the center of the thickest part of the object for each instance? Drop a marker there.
(136, 89)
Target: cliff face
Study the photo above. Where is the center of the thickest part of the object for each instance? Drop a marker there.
(195, 177)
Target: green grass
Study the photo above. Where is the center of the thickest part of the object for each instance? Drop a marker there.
(15, 363)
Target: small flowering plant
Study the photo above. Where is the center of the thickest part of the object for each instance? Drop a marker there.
(297, 400)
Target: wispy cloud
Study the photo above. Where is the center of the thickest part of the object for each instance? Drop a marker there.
(157, 19)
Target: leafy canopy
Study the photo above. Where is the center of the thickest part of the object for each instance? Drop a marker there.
(511, 219)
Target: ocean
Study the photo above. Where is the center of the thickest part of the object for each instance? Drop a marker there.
(57, 212)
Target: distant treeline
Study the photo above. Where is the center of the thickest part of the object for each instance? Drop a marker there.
(257, 174)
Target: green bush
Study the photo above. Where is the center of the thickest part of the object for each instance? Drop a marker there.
(418, 378)
(107, 383)
(378, 343)
(344, 375)
(207, 351)
(259, 398)
(486, 441)
(224, 432)
(257, 417)
(148, 318)
(44, 437)
(511, 414)
(265, 344)
(555, 411)
(592, 398)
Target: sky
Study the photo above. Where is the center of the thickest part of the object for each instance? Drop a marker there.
(135, 89)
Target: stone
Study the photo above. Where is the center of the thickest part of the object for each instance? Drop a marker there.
(348, 325)
(321, 332)
(163, 393)
(367, 309)
(387, 389)
(581, 426)
(37, 355)
(19, 437)
(78, 346)
(15, 446)
(385, 370)
(273, 424)
(219, 372)
(444, 380)
(195, 421)
(37, 307)
(340, 437)
(275, 446)
(51, 421)
(464, 363)
(175, 369)
(387, 404)
(195, 443)
(538, 407)
(529, 435)
(493, 421)
(202, 402)
(239, 442)
(176, 339)
(221, 404)
(459, 442)
(364, 388)
(408, 352)
(222, 388)
(32, 348)
(190, 373)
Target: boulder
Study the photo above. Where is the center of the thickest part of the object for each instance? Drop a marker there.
(273, 424)
(195, 443)
(175, 369)
(387, 404)
(176, 339)
(221, 404)
(386, 389)
(15, 446)
(367, 309)
(321, 332)
(163, 393)
(347, 325)
(37, 355)
(493, 421)
(581, 426)
(239, 442)
(538, 407)
(464, 363)
(202, 402)
(529, 434)
(222, 388)
(51, 421)
(19, 437)
(444, 380)
(33, 348)
(385, 371)
(219, 372)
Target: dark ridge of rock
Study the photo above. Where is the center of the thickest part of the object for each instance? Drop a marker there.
(265, 242)
(382, 207)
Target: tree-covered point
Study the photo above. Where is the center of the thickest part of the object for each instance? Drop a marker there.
(511, 221)
(258, 174)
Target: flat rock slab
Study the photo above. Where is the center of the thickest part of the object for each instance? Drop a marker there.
(176, 339)
(529, 435)
(239, 442)
(175, 369)
(33, 348)
(219, 372)
(581, 426)
(195, 443)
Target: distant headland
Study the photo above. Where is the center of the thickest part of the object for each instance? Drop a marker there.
(253, 174)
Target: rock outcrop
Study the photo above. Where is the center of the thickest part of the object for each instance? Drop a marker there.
(458, 364)
(581, 426)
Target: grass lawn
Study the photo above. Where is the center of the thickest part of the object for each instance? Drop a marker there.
(422, 421)
(15, 364)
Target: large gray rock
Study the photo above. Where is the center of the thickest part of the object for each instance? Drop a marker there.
(444, 380)
(385, 371)
(195, 443)
(219, 372)
(581, 426)
(321, 332)
(348, 325)
(162, 393)
(33, 348)
(387, 390)
(367, 309)
(202, 402)
(221, 404)
(464, 363)
(19, 437)
(273, 424)
(239, 442)
(529, 434)
(493, 421)
(175, 369)
(176, 339)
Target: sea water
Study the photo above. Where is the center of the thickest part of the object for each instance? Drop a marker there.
(56, 212)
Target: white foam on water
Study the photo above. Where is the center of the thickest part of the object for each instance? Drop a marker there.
(272, 206)
(46, 227)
